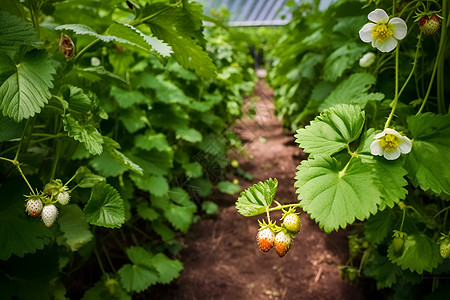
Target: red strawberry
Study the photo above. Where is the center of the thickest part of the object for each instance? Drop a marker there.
(49, 214)
(292, 223)
(34, 207)
(265, 238)
(282, 243)
(430, 24)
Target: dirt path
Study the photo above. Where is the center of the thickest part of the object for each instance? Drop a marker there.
(222, 260)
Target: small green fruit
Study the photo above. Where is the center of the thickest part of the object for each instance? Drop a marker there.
(444, 248)
(292, 223)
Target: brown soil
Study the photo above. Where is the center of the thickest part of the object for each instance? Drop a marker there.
(222, 260)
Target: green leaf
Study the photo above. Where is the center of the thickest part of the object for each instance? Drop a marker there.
(105, 207)
(342, 59)
(126, 99)
(125, 161)
(106, 165)
(353, 90)
(122, 34)
(391, 181)
(20, 234)
(164, 231)
(332, 130)
(175, 25)
(141, 274)
(335, 196)
(15, 33)
(156, 185)
(189, 134)
(74, 227)
(254, 200)
(428, 163)
(168, 269)
(86, 179)
(134, 36)
(380, 226)
(26, 87)
(152, 140)
(209, 207)
(166, 91)
(133, 119)
(382, 270)
(100, 290)
(10, 129)
(228, 187)
(77, 99)
(88, 135)
(420, 254)
(180, 215)
(146, 212)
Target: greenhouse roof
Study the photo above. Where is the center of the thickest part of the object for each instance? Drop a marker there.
(256, 12)
(252, 12)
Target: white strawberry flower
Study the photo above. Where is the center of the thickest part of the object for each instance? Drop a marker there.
(390, 144)
(383, 33)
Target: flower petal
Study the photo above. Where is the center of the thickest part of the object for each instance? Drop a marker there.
(378, 16)
(387, 46)
(376, 149)
(366, 32)
(391, 155)
(379, 135)
(404, 144)
(398, 27)
(393, 132)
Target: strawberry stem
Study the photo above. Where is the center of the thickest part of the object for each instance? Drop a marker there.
(281, 207)
(394, 102)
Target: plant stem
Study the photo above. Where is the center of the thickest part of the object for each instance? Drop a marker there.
(403, 219)
(394, 102)
(35, 141)
(441, 211)
(91, 44)
(23, 176)
(109, 259)
(441, 67)
(282, 207)
(430, 85)
(99, 260)
(414, 64)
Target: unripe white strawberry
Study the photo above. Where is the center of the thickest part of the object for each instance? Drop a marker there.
(282, 243)
(49, 215)
(63, 198)
(34, 207)
(292, 223)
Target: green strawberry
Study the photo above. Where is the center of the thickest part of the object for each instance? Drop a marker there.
(444, 248)
(398, 243)
(292, 222)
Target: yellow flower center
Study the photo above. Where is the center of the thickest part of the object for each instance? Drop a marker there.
(389, 143)
(381, 32)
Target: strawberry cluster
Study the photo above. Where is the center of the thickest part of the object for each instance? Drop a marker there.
(43, 204)
(281, 237)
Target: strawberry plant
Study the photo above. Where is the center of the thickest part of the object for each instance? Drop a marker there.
(114, 122)
(364, 90)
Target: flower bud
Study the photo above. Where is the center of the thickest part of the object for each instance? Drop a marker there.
(66, 46)
(367, 60)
